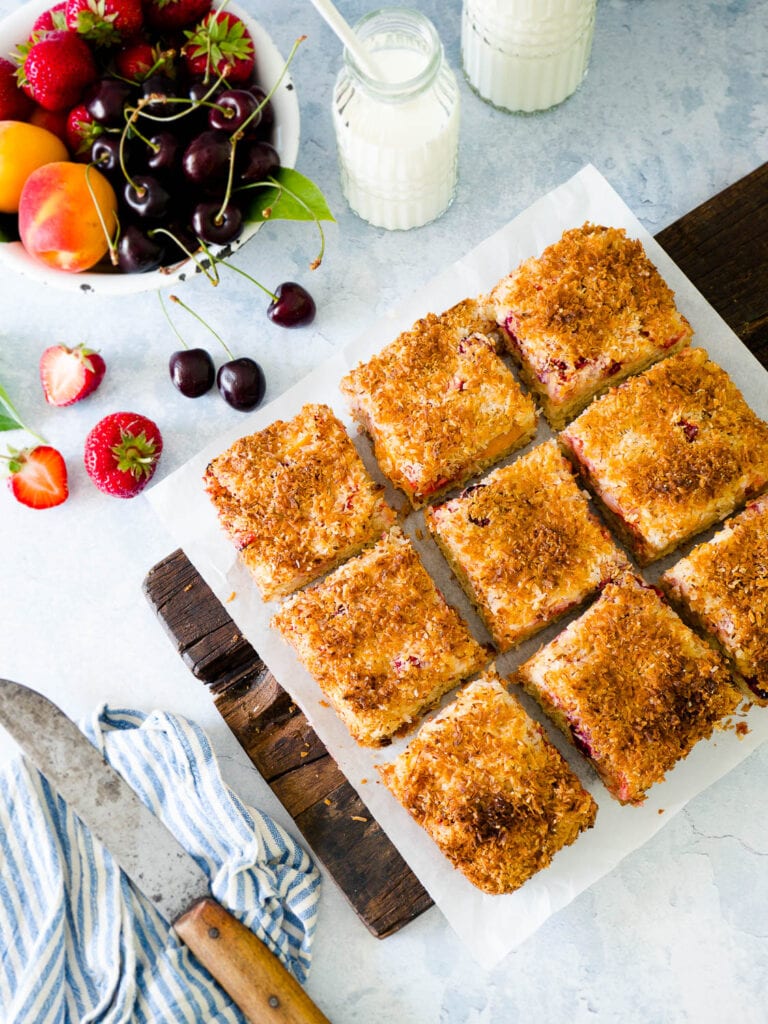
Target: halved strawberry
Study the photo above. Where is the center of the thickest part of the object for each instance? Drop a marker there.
(69, 374)
(121, 453)
(38, 476)
(220, 45)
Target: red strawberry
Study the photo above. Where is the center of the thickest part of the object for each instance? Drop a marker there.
(81, 132)
(15, 105)
(38, 476)
(167, 15)
(53, 19)
(136, 59)
(121, 453)
(220, 45)
(105, 22)
(56, 70)
(69, 374)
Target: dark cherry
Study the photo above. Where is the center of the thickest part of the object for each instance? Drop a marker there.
(218, 230)
(267, 119)
(292, 306)
(192, 371)
(137, 252)
(163, 151)
(206, 158)
(105, 101)
(160, 88)
(241, 383)
(233, 108)
(146, 196)
(105, 153)
(258, 161)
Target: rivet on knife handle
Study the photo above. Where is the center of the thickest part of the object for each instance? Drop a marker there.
(253, 976)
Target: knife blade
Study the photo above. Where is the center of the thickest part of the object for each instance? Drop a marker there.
(153, 860)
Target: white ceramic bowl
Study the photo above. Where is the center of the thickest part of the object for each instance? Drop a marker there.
(269, 63)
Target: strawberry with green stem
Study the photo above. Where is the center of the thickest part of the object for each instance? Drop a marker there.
(220, 45)
(121, 453)
(37, 475)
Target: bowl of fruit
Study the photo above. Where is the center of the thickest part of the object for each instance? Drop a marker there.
(140, 140)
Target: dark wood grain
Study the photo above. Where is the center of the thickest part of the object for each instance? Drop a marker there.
(722, 246)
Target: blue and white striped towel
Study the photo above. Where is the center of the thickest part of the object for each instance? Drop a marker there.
(79, 944)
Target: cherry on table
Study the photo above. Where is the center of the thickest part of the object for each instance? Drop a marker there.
(218, 230)
(192, 371)
(292, 306)
(241, 383)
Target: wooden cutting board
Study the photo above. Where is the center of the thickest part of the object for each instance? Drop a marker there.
(722, 246)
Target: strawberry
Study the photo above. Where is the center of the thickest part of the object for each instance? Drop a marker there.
(38, 476)
(136, 59)
(69, 374)
(220, 45)
(167, 15)
(81, 131)
(15, 105)
(104, 22)
(56, 70)
(121, 453)
(51, 20)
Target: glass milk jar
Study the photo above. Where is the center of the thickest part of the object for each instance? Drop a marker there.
(526, 55)
(397, 128)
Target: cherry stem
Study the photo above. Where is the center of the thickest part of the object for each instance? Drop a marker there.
(213, 276)
(237, 270)
(235, 138)
(171, 324)
(177, 300)
(130, 125)
(111, 242)
(267, 210)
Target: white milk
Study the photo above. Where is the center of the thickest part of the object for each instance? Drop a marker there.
(526, 55)
(397, 135)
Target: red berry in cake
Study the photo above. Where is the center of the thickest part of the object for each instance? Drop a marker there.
(38, 476)
(15, 105)
(220, 45)
(167, 15)
(122, 452)
(56, 70)
(104, 22)
(69, 374)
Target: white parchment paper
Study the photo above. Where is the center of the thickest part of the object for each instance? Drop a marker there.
(490, 926)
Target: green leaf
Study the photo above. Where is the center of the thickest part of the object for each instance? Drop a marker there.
(9, 420)
(292, 197)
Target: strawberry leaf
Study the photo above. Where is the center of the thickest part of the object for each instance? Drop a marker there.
(9, 418)
(291, 197)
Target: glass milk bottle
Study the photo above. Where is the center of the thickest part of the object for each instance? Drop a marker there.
(526, 55)
(397, 129)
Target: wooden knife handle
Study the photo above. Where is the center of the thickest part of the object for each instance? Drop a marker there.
(253, 976)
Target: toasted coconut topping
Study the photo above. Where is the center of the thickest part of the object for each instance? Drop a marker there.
(525, 545)
(494, 794)
(439, 403)
(296, 499)
(672, 450)
(591, 310)
(632, 686)
(380, 639)
(723, 586)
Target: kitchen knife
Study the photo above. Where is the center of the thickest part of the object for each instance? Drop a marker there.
(154, 860)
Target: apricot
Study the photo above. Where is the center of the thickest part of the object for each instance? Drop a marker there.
(59, 222)
(23, 148)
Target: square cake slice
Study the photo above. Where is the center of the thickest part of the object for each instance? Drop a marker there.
(494, 794)
(670, 452)
(525, 545)
(588, 312)
(439, 403)
(722, 587)
(631, 686)
(296, 500)
(380, 640)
